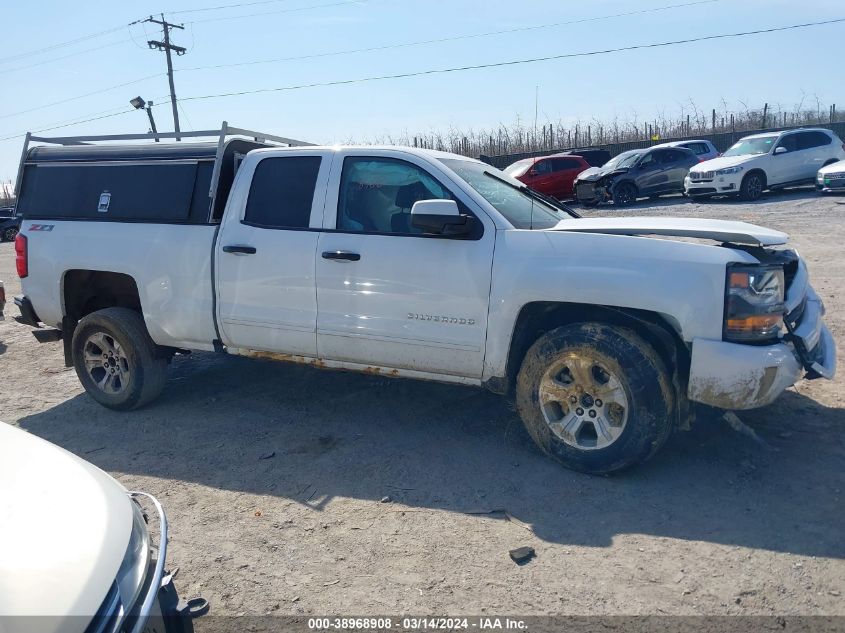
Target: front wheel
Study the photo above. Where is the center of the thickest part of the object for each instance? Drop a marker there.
(752, 186)
(595, 397)
(116, 360)
(625, 194)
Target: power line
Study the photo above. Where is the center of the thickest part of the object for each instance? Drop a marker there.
(82, 96)
(448, 39)
(516, 62)
(86, 118)
(56, 59)
(84, 38)
(297, 9)
(227, 6)
(71, 123)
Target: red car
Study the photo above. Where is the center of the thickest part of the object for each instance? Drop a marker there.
(552, 175)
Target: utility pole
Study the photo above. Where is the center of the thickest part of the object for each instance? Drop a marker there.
(166, 46)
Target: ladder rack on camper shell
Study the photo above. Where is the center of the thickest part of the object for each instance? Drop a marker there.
(224, 135)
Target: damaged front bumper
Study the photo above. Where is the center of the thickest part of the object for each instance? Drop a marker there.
(734, 376)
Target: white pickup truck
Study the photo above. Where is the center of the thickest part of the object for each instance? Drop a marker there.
(407, 262)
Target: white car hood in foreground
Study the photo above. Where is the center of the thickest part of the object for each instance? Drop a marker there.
(719, 230)
(64, 529)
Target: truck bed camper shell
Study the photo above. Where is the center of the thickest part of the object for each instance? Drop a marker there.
(123, 178)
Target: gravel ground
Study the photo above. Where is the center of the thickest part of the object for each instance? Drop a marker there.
(274, 478)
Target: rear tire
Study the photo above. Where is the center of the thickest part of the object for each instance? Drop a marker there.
(596, 398)
(752, 186)
(116, 361)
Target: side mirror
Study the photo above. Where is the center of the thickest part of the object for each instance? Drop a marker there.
(441, 217)
(781, 150)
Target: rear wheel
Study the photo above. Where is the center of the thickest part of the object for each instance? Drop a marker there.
(752, 186)
(116, 360)
(595, 397)
(624, 194)
(10, 233)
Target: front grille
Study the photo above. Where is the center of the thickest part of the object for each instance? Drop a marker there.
(585, 190)
(840, 175)
(695, 191)
(700, 175)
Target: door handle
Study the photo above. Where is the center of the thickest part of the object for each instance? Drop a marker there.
(344, 256)
(239, 250)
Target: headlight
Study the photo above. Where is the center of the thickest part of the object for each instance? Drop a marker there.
(729, 170)
(133, 569)
(820, 177)
(753, 303)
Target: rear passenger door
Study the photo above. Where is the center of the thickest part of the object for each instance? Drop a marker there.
(676, 165)
(265, 252)
(816, 148)
(565, 170)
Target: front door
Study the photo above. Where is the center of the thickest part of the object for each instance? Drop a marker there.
(388, 295)
(786, 166)
(266, 294)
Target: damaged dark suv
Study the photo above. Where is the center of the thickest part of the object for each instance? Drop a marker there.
(635, 174)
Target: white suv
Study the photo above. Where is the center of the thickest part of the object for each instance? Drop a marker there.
(765, 161)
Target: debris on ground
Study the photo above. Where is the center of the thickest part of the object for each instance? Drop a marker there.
(743, 429)
(269, 455)
(522, 555)
(386, 499)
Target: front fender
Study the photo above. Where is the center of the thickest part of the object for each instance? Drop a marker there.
(683, 282)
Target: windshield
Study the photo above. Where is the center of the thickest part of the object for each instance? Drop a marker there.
(520, 209)
(625, 159)
(519, 167)
(760, 145)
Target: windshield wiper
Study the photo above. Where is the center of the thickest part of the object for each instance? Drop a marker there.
(541, 197)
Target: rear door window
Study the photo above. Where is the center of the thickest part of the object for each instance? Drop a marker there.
(809, 140)
(564, 164)
(282, 192)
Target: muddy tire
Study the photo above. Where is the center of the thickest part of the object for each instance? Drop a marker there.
(116, 360)
(752, 186)
(624, 195)
(596, 398)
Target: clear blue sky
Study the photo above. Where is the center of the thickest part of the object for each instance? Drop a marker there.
(778, 68)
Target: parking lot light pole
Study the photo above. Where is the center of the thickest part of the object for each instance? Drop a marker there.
(139, 104)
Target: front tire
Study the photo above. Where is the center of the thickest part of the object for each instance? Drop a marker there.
(595, 397)
(10, 233)
(752, 186)
(624, 194)
(116, 361)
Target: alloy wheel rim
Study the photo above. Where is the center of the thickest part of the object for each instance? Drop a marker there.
(583, 402)
(755, 187)
(106, 363)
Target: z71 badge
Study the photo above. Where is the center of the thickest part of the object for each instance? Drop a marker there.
(40, 227)
(441, 319)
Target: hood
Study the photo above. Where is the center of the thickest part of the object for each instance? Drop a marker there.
(833, 168)
(64, 526)
(725, 161)
(596, 173)
(719, 230)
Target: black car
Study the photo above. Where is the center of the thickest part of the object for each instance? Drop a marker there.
(635, 174)
(595, 157)
(9, 224)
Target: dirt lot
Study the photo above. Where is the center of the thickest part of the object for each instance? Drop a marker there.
(715, 524)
